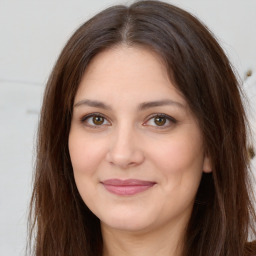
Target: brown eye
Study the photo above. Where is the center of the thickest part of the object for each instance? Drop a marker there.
(160, 120)
(98, 120)
(95, 120)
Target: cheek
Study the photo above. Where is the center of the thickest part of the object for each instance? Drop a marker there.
(180, 152)
(180, 160)
(85, 153)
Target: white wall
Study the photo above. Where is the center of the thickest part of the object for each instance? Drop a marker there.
(32, 34)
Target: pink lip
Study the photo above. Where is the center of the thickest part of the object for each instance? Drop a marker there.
(127, 187)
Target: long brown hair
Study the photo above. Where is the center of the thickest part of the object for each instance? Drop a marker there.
(223, 214)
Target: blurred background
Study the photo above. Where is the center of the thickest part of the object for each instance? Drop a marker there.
(32, 34)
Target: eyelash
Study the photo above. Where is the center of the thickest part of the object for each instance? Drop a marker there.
(168, 118)
(85, 118)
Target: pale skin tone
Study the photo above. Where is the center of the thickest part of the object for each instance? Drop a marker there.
(130, 122)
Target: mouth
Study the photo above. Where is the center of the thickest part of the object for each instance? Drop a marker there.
(127, 187)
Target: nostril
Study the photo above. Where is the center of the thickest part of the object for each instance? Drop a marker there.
(126, 158)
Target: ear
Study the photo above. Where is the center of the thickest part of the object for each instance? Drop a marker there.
(207, 164)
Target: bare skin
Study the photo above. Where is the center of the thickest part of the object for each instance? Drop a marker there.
(131, 125)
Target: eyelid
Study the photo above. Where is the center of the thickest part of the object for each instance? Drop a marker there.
(87, 116)
(169, 118)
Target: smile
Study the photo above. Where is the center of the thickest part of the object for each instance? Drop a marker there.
(127, 187)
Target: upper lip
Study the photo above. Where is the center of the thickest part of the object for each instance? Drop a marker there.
(128, 182)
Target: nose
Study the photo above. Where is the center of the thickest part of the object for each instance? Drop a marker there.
(125, 150)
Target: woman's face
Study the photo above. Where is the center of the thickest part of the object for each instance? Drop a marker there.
(136, 149)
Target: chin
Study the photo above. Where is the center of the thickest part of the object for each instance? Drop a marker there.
(128, 222)
(126, 225)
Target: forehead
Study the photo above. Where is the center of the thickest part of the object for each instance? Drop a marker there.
(125, 71)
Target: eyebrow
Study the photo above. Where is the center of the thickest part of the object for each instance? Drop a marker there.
(92, 103)
(159, 103)
(142, 106)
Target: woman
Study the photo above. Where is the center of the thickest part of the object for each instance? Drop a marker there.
(142, 144)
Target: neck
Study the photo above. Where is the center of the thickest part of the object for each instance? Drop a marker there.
(161, 242)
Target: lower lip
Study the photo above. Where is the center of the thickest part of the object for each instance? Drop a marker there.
(127, 190)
